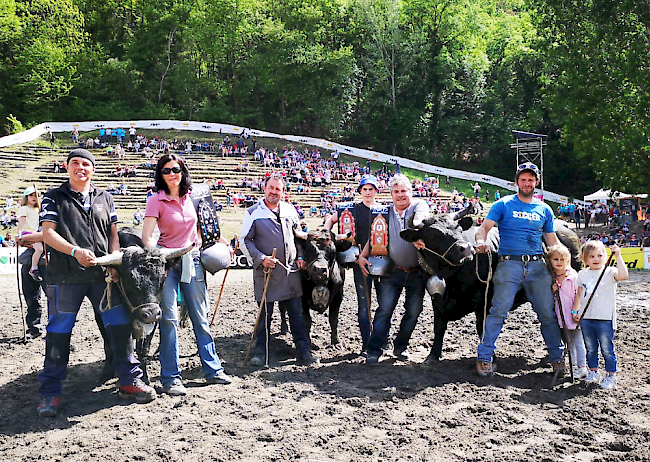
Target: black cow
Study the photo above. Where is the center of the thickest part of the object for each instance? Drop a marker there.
(142, 275)
(322, 283)
(455, 287)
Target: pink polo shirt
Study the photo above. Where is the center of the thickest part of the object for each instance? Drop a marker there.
(176, 221)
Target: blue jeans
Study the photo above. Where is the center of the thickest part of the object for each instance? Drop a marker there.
(196, 298)
(63, 303)
(599, 332)
(362, 297)
(536, 280)
(388, 294)
(296, 322)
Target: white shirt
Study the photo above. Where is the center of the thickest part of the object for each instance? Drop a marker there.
(603, 305)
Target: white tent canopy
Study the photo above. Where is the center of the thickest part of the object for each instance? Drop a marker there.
(599, 195)
(607, 194)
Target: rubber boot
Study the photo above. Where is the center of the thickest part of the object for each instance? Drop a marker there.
(124, 362)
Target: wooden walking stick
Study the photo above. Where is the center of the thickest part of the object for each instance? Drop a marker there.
(223, 284)
(20, 299)
(267, 278)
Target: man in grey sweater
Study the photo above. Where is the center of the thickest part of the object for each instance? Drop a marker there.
(269, 225)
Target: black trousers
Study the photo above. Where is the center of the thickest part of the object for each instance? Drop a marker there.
(32, 291)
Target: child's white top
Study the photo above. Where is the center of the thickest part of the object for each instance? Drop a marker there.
(31, 218)
(603, 305)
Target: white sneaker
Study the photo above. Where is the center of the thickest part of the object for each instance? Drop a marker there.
(592, 377)
(609, 382)
(580, 372)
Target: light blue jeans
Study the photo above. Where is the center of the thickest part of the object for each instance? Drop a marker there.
(597, 333)
(196, 298)
(577, 346)
(535, 279)
(390, 288)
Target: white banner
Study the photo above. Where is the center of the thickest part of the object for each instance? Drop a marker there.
(39, 130)
(8, 259)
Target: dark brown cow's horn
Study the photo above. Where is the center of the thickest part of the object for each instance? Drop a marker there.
(112, 259)
(300, 234)
(174, 253)
(467, 210)
(413, 225)
(342, 236)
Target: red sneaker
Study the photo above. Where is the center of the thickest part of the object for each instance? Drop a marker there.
(138, 391)
(49, 406)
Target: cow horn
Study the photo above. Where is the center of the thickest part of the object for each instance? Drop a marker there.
(467, 210)
(112, 259)
(342, 236)
(300, 234)
(412, 224)
(174, 253)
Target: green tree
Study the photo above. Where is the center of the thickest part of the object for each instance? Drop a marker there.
(46, 54)
(596, 84)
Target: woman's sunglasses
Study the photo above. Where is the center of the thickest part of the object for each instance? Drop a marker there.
(167, 170)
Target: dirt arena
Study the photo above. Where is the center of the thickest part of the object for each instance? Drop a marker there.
(340, 410)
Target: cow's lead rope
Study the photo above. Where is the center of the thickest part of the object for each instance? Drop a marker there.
(487, 288)
(444, 255)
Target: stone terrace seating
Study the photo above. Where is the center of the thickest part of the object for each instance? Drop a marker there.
(202, 165)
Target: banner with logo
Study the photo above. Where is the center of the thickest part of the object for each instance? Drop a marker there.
(8, 259)
(634, 257)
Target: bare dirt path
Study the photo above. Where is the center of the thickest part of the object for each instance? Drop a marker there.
(340, 410)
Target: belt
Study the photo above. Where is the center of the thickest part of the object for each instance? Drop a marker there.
(524, 258)
(407, 270)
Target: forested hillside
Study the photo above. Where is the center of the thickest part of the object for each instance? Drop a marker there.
(442, 81)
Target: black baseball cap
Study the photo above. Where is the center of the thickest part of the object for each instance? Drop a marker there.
(84, 153)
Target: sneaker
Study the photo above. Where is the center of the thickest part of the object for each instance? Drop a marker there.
(484, 368)
(176, 388)
(35, 274)
(220, 379)
(609, 382)
(138, 391)
(580, 372)
(592, 377)
(34, 332)
(49, 406)
(401, 353)
(558, 367)
(257, 361)
(307, 359)
(372, 359)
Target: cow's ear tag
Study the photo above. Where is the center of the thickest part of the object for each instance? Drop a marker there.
(466, 223)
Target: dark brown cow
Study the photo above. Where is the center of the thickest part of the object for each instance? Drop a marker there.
(454, 286)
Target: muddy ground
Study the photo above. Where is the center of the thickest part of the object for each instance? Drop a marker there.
(341, 409)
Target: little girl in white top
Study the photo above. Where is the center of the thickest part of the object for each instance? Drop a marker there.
(565, 287)
(599, 322)
(28, 224)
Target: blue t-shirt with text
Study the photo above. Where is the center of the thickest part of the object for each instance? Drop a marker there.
(521, 225)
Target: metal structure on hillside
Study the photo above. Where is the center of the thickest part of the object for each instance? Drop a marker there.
(530, 148)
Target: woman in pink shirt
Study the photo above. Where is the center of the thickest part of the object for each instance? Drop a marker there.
(172, 210)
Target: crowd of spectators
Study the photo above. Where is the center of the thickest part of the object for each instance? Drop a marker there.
(598, 213)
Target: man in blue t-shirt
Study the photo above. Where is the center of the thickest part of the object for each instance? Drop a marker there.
(523, 220)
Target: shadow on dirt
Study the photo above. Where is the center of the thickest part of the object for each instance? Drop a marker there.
(82, 395)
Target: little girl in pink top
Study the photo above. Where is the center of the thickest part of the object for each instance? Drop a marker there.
(565, 288)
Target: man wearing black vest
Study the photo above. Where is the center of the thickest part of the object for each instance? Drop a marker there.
(79, 224)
